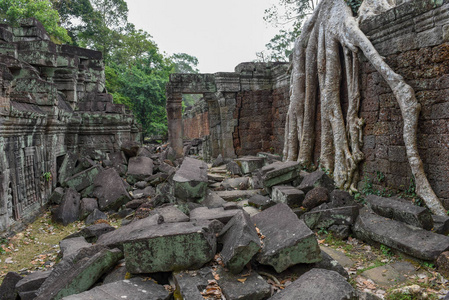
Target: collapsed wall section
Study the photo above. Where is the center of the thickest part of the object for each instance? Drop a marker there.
(52, 101)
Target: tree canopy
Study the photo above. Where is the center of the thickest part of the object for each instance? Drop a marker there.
(136, 70)
(13, 11)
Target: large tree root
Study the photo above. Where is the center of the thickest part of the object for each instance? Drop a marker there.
(318, 63)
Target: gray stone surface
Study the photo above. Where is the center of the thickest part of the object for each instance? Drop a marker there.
(31, 282)
(95, 216)
(318, 284)
(87, 206)
(279, 173)
(390, 275)
(190, 181)
(411, 240)
(315, 197)
(327, 262)
(7, 288)
(91, 233)
(57, 196)
(109, 189)
(132, 289)
(239, 183)
(220, 214)
(237, 194)
(117, 274)
(334, 216)
(71, 246)
(191, 283)
(441, 224)
(78, 273)
(403, 211)
(212, 200)
(240, 242)
(287, 194)
(117, 237)
(233, 168)
(254, 287)
(139, 168)
(249, 164)
(288, 240)
(315, 179)
(169, 247)
(171, 214)
(82, 180)
(261, 202)
(69, 209)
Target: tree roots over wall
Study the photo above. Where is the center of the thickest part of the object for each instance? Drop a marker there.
(328, 45)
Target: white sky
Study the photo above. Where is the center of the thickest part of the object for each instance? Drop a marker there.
(220, 33)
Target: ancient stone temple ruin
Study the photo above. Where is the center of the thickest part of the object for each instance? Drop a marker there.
(52, 102)
(243, 113)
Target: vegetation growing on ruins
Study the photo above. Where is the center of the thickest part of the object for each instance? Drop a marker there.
(328, 45)
(136, 70)
(13, 11)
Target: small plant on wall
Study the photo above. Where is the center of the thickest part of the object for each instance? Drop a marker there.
(47, 176)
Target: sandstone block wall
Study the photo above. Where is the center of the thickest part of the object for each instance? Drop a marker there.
(52, 101)
(414, 38)
(245, 110)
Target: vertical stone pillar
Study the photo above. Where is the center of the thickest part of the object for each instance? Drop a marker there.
(174, 119)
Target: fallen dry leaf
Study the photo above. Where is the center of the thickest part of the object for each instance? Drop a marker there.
(242, 280)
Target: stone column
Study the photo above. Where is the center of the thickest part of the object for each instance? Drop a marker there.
(174, 119)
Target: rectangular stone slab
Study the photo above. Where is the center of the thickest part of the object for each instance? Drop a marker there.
(402, 211)
(191, 283)
(83, 179)
(249, 164)
(117, 237)
(288, 195)
(288, 241)
(169, 247)
(240, 242)
(318, 284)
(219, 213)
(77, 274)
(411, 240)
(280, 173)
(333, 216)
(254, 287)
(134, 288)
(190, 181)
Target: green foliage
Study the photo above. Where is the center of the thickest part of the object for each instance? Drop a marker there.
(14, 11)
(386, 251)
(136, 72)
(428, 264)
(47, 176)
(3, 243)
(354, 5)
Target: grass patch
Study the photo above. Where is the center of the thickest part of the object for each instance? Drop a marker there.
(36, 247)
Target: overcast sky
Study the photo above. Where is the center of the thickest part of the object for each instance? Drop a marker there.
(220, 33)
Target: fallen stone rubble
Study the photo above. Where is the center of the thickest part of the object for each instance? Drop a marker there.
(192, 231)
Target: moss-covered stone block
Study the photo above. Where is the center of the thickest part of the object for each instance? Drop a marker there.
(169, 247)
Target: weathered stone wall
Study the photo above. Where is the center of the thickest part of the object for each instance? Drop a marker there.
(245, 109)
(195, 121)
(414, 38)
(52, 100)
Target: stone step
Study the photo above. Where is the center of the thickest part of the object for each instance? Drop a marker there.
(411, 240)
